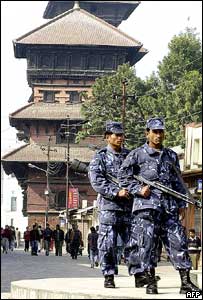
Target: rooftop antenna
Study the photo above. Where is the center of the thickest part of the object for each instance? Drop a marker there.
(76, 5)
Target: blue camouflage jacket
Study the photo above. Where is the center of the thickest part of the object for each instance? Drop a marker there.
(154, 166)
(107, 161)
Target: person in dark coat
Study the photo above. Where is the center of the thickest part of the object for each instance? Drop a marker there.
(34, 239)
(26, 237)
(93, 247)
(155, 214)
(58, 236)
(67, 239)
(75, 241)
(6, 236)
(194, 247)
(114, 204)
(47, 235)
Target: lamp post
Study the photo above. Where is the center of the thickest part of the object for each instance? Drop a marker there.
(67, 134)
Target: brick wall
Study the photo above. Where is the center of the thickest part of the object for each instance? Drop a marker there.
(53, 220)
(36, 199)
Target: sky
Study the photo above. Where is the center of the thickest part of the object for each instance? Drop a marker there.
(153, 23)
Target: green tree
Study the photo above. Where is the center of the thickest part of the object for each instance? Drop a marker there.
(180, 75)
(174, 93)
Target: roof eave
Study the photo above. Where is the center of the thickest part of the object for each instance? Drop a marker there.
(20, 49)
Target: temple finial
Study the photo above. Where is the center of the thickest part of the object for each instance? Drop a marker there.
(76, 4)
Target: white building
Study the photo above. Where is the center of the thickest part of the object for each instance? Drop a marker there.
(193, 150)
(12, 203)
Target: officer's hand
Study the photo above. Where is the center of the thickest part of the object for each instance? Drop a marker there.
(145, 191)
(124, 193)
(181, 213)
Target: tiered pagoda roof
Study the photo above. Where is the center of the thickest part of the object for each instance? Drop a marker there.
(120, 10)
(33, 153)
(46, 111)
(77, 27)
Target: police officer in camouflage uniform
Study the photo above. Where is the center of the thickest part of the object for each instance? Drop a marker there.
(155, 215)
(114, 205)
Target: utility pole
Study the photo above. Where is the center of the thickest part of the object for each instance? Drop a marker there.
(124, 98)
(48, 191)
(67, 134)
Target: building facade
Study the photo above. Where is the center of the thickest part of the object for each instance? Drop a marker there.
(11, 203)
(190, 160)
(192, 173)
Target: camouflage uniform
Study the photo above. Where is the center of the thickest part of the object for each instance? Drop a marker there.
(158, 214)
(114, 211)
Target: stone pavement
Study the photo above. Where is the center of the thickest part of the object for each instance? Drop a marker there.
(64, 278)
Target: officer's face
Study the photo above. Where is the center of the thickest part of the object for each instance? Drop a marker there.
(115, 140)
(155, 137)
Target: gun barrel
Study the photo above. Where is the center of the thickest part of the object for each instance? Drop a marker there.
(168, 190)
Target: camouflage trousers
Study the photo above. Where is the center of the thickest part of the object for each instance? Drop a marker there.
(111, 224)
(147, 227)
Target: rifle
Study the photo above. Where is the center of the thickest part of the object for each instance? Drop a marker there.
(81, 167)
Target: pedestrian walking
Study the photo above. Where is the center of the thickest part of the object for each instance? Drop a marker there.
(26, 237)
(155, 214)
(113, 203)
(67, 239)
(6, 237)
(18, 236)
(47, 235)
(34, 239)
(93, 248)
(40, 243)
(97, 228)
(75, 241)
(12, 239)
(58, 236)
(194, 247)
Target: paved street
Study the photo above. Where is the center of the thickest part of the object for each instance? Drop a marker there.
(19, 265)
(60, 277)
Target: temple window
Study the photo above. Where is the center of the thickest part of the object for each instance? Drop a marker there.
(49, 96)
(74, 97)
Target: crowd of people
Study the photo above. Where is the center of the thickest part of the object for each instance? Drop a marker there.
(37, 239)
(10, 238)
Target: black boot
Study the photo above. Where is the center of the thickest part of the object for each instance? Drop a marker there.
(141, 279)
(152, 286)
(109, 281)
(186, 284)
(144, 278)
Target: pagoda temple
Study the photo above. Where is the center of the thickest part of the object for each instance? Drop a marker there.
(64, 57)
